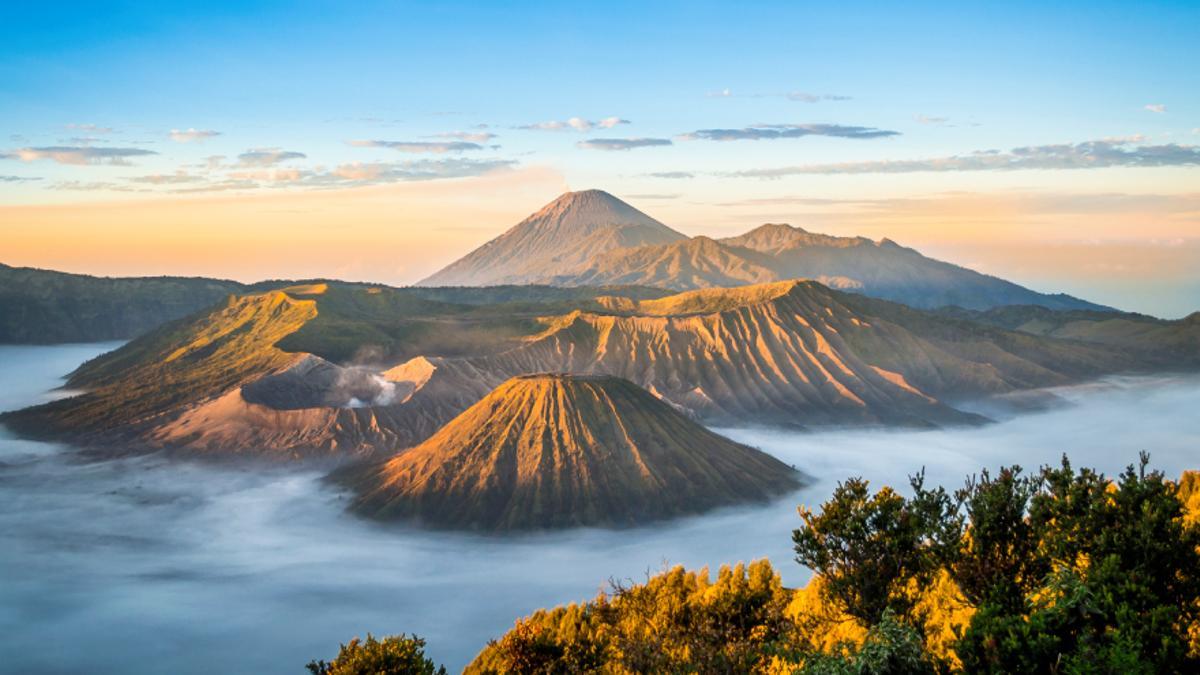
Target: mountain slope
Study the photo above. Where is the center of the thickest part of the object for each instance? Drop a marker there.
(257, 375)
(790, 353)
(593, 238)
(278, 373)
(775, 252)
(545, 450)
(557, 240)
(1167, 344)
(46, 307)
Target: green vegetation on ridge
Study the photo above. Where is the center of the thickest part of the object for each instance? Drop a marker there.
(46, 307)
(1062, 571)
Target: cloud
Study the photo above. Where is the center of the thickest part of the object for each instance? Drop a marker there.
(622, 143)
(78, 155)
(1104, 153)
(1156, 107)
(805, 97)
(654, 196)
(763, 132)
(190, 135)
(90, 128)
(576, 124)
(84, 140)
(420, 146)
(267, 157)
(17, 179)
(81, 186)
(673, 175)
(795, 95)
(354, 174)
(167, 179)
(212, 162)
(471, 136)
(933, 121)
(359, 173)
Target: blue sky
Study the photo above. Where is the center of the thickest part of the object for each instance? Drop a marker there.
(837, 96)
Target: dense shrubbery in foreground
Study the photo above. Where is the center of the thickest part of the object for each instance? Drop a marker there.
(1062, 571)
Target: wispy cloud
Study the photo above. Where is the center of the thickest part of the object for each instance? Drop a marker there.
(18, 179)
(576, 124)
(654, 196)
(794, 95)
(1104, 153)
(167, 178)
(78, 155)
(931, 121)
(192, 135)
(805, 97)
(1156, 107)
(622, 143)
(470, 136)
(90, 128)
(672, 175)
(354, 174)
(360, 173)
(438, 147)
(267, 157)
(93, 186)
(764, 132)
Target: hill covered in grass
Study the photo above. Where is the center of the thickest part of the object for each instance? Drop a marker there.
(554, 450)
(45, 307)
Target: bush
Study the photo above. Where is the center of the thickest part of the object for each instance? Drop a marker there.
(393, 655)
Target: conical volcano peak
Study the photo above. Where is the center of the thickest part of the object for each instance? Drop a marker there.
(557, 450)
(556, 241)
(588, 210)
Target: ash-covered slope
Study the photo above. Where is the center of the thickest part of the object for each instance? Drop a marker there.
(557, 240)
(550, 450)
(789, 353)
(262, 374)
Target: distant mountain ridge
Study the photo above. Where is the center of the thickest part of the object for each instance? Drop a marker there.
(595, 249)
(554, 450)
(46, 307)
(282, 373)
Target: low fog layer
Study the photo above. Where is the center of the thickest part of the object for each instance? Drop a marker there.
(150, 566)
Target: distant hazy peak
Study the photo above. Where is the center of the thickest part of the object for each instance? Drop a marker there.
(595, 206)
(556, 240)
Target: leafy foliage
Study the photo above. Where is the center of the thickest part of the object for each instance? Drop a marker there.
(1066, 571)
(1062, 572)
(394, 655)
(678, 621)
(870, 548)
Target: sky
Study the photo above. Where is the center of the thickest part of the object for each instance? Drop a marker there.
(1056, 146)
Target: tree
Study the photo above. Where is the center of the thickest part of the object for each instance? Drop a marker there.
(869, 549)
(1122, 585)
(394, 655)
(891, 647)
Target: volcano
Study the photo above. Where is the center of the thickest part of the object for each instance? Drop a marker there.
(552, 450)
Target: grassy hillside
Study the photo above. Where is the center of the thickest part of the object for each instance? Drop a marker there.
(1168, 343)
(185, 361)
(45, 307)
